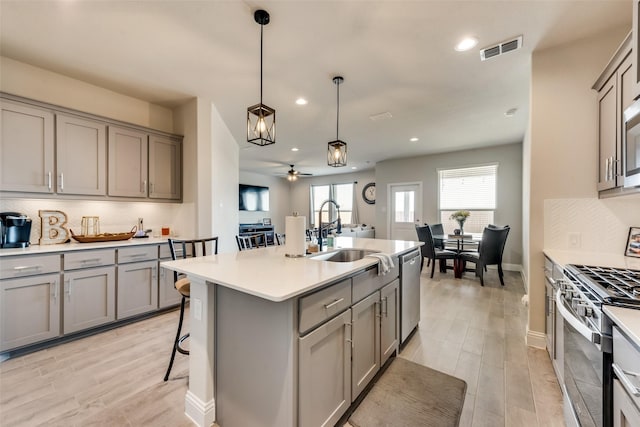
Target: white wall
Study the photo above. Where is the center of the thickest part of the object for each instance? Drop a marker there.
(279, 200)
(300, 193)
(564, 151)
(425, 169)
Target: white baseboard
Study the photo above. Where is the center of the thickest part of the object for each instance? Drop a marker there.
(203, 414)
(536, 339)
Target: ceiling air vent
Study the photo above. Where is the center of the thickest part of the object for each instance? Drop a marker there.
(501, 48)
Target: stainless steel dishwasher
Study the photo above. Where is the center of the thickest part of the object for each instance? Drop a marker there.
(409, 293)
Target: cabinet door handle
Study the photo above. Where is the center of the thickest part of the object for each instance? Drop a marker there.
(67, 287)
(154, 272)
(49, 180)
(54, 290)
(606, 169)
(143, 186)
(378, 309)
(150, 187)
(624, 379)
(349, 340)
(61, 181)
(328, 306)
(90, 260)
(615, 169)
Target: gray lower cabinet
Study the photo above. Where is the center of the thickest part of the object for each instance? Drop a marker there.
(324, 383)
(137, 280)
(389, 320)
(29, 310)
(365, 359)
(89, 297)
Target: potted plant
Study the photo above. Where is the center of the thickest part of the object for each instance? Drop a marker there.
(460, 217)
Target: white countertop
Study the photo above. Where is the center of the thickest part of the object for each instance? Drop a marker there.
(267, 273)
(75, 246)
(627, 319)
(597, 259)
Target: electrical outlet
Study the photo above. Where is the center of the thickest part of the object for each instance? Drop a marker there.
(575, 240)
(197, 308)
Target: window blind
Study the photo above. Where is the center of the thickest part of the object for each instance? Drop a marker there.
(468, 188)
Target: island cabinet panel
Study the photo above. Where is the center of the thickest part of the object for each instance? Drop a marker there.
(29, 310)
(256, 361)
(89, 297)
(127, 162)
(26, 148)
(365, 321)
(323, 305)
(81, 156)
(325, 373)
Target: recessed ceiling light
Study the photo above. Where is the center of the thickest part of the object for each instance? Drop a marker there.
(295, 149)
(354, 167)
(301, 101)
(414, 139)
(466, 44)
(511, 112)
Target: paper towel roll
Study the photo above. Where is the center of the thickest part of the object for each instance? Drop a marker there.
(295, 231)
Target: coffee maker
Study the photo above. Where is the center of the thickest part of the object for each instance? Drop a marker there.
(15, 230)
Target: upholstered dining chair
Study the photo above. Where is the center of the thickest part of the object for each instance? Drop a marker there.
(489, 252)
(437, 230)
(182, 249)
(429, 250)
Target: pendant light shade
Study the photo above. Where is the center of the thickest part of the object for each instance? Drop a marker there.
(337, 150)
(261, 119)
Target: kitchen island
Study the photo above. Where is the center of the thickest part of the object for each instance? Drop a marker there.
(266, 329)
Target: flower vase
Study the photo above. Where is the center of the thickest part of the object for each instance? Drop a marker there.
(461, 223)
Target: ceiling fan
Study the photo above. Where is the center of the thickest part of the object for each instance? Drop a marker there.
(293, 174)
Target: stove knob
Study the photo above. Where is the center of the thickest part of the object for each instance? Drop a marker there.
(584, 310)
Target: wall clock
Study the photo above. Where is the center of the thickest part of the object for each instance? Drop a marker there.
(369, 193)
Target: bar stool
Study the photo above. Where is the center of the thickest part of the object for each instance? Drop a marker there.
(185, 249)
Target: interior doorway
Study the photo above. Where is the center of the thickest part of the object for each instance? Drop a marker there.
(405, 210)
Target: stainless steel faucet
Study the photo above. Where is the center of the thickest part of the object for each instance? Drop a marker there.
(339, 226)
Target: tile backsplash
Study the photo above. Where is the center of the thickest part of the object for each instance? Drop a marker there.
(115, 217)
(592, 225)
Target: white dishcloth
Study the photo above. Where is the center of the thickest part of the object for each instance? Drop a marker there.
(385, 262)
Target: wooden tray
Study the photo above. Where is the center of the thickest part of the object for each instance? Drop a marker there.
(104, 237)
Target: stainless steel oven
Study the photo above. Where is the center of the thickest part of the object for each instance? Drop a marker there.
(588, 342)
(587, 358)
(631, 145)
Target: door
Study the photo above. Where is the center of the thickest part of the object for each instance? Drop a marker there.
(26, 148)
(165, 163)
(81, 156)
(365, 359)
(325, 373)
(89, 297)
(127, 162)
(29, 310)
(405, 210)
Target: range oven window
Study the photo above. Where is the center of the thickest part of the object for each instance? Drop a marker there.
(587, 379)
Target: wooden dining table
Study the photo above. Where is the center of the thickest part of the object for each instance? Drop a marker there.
(471, 240)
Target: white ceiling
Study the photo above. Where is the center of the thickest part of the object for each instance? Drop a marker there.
(395, 56)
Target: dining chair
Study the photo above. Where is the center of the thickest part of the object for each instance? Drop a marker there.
(490, 251)
(251, 241)
(429, 250)
(437, 230)
(188, 249)
(279, 238)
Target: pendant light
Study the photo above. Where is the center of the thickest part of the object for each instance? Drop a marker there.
(261, 119)
(337, 150)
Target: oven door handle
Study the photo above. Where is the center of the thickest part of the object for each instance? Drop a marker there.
(573, 321)
(622, 376)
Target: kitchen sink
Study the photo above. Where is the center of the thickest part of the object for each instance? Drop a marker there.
(343, 255)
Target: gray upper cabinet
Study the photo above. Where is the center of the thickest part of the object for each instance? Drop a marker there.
(615, 86)
(127, 162)
(26, 148)
(81, 156)
(635, 49)
(165, 168)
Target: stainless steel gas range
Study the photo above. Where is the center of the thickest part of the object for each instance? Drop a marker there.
(588, 376)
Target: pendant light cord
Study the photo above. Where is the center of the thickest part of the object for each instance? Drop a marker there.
(338, 111)
(261, 30)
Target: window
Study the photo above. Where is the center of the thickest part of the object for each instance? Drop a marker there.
(472, 189)
(343, 196)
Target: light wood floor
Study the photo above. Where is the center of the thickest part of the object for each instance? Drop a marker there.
(115, 378)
